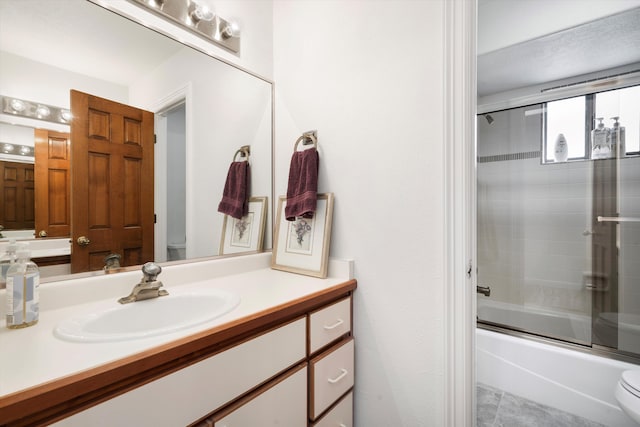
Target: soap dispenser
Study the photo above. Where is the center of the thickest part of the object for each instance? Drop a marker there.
(600, 141)
(6, 260)
(560, 149)
(23, 281)
(616, 137)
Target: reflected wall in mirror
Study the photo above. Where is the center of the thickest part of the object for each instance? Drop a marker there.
(205, 109)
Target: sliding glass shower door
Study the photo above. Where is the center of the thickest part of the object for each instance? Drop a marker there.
(559, 219)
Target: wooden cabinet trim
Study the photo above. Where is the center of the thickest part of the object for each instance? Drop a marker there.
(55, 400)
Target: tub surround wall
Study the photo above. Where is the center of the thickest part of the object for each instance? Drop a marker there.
(533, 217)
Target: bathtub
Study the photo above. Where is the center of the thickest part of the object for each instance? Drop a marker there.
(573, 381)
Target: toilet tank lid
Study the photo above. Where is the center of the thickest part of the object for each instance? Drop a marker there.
(632, 379)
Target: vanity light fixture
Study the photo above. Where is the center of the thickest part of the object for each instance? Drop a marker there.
(16, 149)
(197, 17)
(35, 110)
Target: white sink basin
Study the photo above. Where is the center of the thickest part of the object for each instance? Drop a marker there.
(147, 318)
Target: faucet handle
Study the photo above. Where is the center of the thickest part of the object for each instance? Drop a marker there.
(151, 271)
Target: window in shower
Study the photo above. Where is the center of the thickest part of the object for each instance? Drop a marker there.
(566, 117)
(576, 117)
(622, 106)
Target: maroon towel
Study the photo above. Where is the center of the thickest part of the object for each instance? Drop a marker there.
(235, 197)
(302, 192)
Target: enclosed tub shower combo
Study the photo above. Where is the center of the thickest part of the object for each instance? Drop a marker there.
(558, 216)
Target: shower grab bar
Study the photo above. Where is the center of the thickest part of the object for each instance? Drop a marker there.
(618, 219)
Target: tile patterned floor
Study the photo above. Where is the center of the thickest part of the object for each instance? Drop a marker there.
(497, 408)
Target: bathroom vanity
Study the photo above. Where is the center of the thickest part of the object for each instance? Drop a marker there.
(284, 353)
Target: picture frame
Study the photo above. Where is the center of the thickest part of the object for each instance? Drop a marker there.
(302, 246)
(245, 234)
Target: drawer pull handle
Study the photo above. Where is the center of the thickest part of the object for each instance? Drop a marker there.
(339, 377)
(342, 425)
(335, 325)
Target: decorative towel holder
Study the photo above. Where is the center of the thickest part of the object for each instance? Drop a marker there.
(309, 137)
(244, 151)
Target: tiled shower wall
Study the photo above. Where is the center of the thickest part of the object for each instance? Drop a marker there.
(534, 220)
(531, 244)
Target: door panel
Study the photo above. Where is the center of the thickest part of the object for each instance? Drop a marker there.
(112, 182)
(16, 195)
(53, 188)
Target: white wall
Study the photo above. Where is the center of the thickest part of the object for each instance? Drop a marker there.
(36, 81)
(226, 110)
(368, 75)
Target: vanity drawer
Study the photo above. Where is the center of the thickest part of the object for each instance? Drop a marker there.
(340, 416)
(199, 389)
(281, 404)
(329, 324)
(331, 376)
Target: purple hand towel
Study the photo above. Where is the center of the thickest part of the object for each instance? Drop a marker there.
(235, 197)
(302, 192)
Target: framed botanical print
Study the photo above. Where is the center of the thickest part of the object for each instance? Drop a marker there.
(247, 233)
(302, 246)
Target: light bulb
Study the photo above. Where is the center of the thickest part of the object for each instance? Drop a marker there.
(231, 29)
(65, 115)
(18, 105)
(200, 12)
(43, 111)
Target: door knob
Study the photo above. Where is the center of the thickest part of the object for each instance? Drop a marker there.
(83, 241)
(42, 233)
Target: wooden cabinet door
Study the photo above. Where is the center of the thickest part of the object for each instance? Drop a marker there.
(16, 195)
(111, 182)
(53, 183)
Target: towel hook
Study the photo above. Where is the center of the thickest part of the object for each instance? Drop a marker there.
(244, 151)
(309, 137)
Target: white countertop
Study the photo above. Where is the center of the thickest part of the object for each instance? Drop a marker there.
(33, 356)
(41, 248)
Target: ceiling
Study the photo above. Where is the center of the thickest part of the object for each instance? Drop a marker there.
(601, 44)
(596, 45)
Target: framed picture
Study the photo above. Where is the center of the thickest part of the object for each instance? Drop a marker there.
(302, 246)
(247, 233)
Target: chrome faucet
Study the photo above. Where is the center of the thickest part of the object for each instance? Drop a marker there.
(149, 286)
(111, 262)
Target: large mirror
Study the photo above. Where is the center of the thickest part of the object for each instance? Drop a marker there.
(204, 109)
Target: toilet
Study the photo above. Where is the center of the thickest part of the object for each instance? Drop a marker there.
(628, 394)
(176, 251)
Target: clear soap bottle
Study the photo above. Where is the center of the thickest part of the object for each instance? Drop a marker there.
(616, 137)
(6, 260)
(23, 281)
(600, 141)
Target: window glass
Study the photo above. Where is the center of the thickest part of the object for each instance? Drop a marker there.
(624, 104)
(567, 117)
